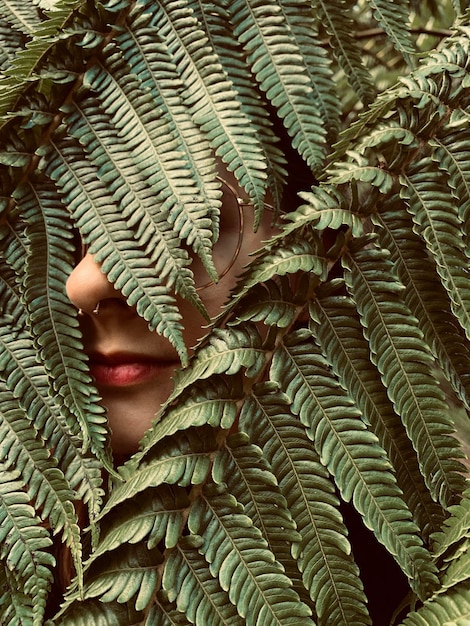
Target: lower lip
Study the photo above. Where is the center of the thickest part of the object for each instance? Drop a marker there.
(123, 374)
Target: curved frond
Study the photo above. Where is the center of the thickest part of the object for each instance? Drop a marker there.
(322, 553)
(404, 363)
(338, 331)
(351, 452)
(393, 17)
(23, 16)
(238, 555)
(451, 608)
(25, 543)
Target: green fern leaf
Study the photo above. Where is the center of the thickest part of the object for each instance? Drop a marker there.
(338, 22)
(405, 364)
(95, 212)
(47, 488)
(24, 543)
(52, 319)
(276, 61)
(436, 219)
(214, 18)
(238, 556)
(165, 613)
(351, 452)
(456, 528)
(452, 609)
(272, 303)
(15, 607)
(82, 613)
(210, 98)
(323, 553)
(338, 331)
(359, 169)
(425, 295)
(180, 460)
(196, 594)
(393, 18)
(24, 17)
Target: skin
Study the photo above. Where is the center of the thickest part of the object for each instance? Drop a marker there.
(132, 366)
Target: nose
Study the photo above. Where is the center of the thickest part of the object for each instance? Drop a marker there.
(87, 285)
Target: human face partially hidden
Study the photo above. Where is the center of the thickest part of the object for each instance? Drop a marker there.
(132, 366)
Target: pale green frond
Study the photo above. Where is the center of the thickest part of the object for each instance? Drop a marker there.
(214, 19)
(393, 17)
(211, 98)
(323, 552)
(437, 221)
(351, 453)
(94, 210)
(425, 295)
(47, 488)
(180, 460)
(82, 613)
(214, 402)
(25, 543)
(272, 303)
(238, 555)
(359, 169)
(16, 607)
(226, 351)
(196, 594)
(405, 365)
(275, 59)
(23, 16)
(450, 609)
(456, 528)
(51, 315)
(165, 613)
(336, 327)
(336, 18)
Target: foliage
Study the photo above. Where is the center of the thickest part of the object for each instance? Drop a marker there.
(338, 377)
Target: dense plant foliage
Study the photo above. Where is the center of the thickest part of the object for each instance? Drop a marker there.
(335, 386)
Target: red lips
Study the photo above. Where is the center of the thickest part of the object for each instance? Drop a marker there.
(122, 370)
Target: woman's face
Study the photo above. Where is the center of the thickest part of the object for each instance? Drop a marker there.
(131, 365)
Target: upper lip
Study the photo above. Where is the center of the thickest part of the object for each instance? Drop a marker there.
(119, 358)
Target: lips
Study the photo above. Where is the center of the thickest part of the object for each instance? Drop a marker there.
(123, 370)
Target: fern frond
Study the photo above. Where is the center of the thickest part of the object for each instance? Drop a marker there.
(214, 19)
(238, 555)
(24, 543)
(165, 613)
(23, 16)
(323, 553)
(352, 453)
(15, 606)
(22, 450)
(338, 331)
(425, 295)
(456, 528)
(276, 61)
(450, 608)
(433, 210)
(393, 17)
(404, 363)
(211, 99)
(95, 212)
(51, 315)
(183, 459)
(155, 152)
(336, 18)
(360, 169)
(196, 593)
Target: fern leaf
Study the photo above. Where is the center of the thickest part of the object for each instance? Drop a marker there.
(196, 594)
(405, 364)
(456, 528)
(15, 607)
(47, 488)
(450, 608)
(22, 16)
(24, 543)
(323, 552)
(359, 169)
(425, 295)
(338, 331)
(211, 99)
(165, 613)
(276, 61)
(214, 402)
(238, 556)
(181, 460)
(94, 211)
(149, 59)
(214, 18)
(154, 151)
(437, 221)
(351, 452)
(51, 315)
(338, 22)
(393, 18)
